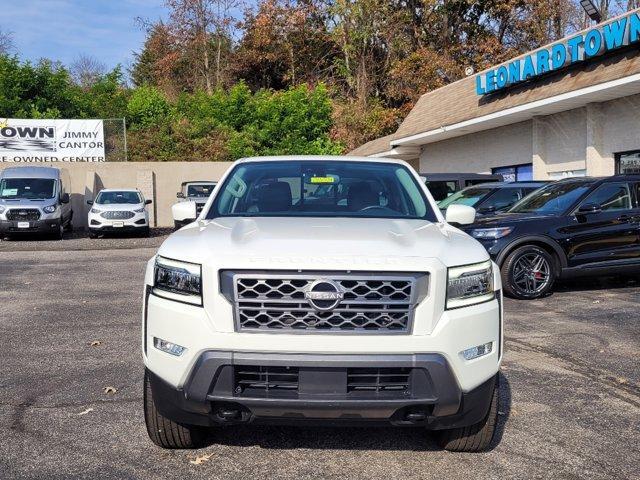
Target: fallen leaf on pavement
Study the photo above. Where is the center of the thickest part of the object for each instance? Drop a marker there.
(96, 343)
(84, 412)
(109, 390)
(201, 459)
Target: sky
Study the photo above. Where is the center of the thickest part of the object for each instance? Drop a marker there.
(64, 29)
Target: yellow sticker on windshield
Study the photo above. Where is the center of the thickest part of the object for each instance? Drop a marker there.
(322, 179)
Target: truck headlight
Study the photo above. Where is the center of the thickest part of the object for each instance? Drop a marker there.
(139, 210)
(491, 233)
(95, 210)
(49, 209)
(2, 209)
(470, 284)
(176, 280)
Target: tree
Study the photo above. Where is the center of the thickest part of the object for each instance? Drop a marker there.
(6, 42)
(284, 43)
(198, 24)
(161, 63)
(86, 70)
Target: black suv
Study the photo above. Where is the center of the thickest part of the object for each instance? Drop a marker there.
(573, 227)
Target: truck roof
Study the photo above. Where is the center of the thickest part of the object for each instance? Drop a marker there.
(31, 172)
(199, 182)
(327, 158)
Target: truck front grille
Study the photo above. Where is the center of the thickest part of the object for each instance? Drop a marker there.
(360, 302)
(251, 380)
(23, 214)
(378, 379)
(117, 214)
(261, 381)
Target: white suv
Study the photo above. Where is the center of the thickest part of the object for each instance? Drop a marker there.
(118, 210)
(327, 290)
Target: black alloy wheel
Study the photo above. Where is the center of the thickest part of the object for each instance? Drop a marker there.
(528, 272)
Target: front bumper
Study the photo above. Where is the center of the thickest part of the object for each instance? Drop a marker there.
(35, 226)
(98, 224)
(324, 391)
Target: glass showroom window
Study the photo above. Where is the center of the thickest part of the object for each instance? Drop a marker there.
(628, 162)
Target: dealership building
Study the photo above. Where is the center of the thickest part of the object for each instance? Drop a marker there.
(571, 108)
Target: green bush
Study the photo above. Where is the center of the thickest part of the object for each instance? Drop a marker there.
(147, 107)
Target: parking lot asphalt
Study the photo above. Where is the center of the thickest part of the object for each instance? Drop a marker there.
(70, 327)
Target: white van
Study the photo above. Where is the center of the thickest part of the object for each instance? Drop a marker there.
(35, 200)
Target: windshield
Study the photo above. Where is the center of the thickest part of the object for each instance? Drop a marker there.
(321, 189)
(469, 196)
(199, 190)
(110, 198)
(554, 198)
(27, 188)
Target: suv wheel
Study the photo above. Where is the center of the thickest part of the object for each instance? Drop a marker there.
(164, 432)
(474, 438)
(528, 272)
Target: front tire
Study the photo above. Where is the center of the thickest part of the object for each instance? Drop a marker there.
(164, 432)
(474, 438)
(528, 272)
(59, 235)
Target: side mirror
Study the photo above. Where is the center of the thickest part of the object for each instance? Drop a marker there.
(589, 208)
(89, 202)
(148, 202)
(184, 212)
(64, 198)
(460, 214)
(179, 195)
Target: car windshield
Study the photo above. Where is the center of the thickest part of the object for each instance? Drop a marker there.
(469, 196)
(111, 198)
(321, 189)
(554, 198)
(199, 190)
(27, 188)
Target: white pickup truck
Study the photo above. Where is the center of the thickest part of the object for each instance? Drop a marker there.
(326, 290)
(195, 192)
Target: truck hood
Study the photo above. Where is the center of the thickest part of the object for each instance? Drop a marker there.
(318, 240)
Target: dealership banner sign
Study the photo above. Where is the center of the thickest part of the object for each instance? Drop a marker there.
(33, 141)
(621, 32)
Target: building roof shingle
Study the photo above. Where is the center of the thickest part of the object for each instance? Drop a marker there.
(378, 145)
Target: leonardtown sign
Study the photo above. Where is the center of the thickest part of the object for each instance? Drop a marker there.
(621, 32)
